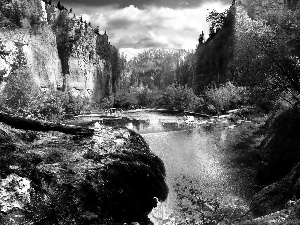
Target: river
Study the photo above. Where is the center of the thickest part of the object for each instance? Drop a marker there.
(195, 168)
(204, 185)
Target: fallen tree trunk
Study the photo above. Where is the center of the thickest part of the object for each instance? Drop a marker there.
(36, 125)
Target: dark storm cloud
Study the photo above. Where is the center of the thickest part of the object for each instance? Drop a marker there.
(141, 3)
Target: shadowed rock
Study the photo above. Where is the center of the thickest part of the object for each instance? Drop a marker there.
(96, 180)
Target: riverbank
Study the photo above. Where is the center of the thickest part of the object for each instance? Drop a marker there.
(111, 177)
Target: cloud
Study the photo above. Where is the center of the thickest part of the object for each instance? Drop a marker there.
(141, 4)
(158, 27)
(151, 26)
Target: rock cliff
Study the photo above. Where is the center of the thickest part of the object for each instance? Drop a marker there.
(59, 49)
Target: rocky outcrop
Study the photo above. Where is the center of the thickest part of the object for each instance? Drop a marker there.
(84, 54)
(60, 50)
(110, 178)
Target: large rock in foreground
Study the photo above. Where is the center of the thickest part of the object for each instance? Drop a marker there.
(111, 177)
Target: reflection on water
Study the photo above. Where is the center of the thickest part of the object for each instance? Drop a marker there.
(190, 154)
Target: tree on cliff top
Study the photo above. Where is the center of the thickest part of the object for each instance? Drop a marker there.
(216, 21)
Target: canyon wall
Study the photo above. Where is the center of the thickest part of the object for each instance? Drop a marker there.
(34, 52)
(61, 51)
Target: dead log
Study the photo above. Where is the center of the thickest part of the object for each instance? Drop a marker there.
(37, 125)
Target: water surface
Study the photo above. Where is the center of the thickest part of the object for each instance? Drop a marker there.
(193, 158)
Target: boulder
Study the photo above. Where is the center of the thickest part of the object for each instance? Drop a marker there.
(111, 177)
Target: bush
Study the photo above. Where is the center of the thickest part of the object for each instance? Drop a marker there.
(263, 98)
(174, 97)
(225, 97)
(19, 90)
(107, 102)
(181, 98)
(23, 97)
(126, 100)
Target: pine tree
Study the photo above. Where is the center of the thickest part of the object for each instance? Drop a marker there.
(97, 30)
(201, 38)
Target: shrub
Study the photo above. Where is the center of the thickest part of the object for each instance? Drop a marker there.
(178, 97)
(226, 97)
(23, 97)
(263, 98)
(174, 97)
(126, 100)
(19, 90)
(147, 97)
(107, 102)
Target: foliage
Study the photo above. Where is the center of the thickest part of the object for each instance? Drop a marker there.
(195, 208)
(107, 102)
(173, 97)
(267, 53)
(19, 90)
(157, 67)
(20, 14)
(178, 97)
(216, 21)
(24, 98)
(227, 96)
(126, 100)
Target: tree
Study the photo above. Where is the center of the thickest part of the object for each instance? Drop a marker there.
(268, 53)
(157, 67)
(201, 38)
(216, 21)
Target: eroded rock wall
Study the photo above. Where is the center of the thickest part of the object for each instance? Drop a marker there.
(35, 52)
(83, 52)
(62, 52)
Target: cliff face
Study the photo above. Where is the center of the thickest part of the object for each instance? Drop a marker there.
(213, 58)
(84, 54)
(22, 49)
(62, 52)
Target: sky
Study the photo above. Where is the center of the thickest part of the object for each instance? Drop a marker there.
(135, 25)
